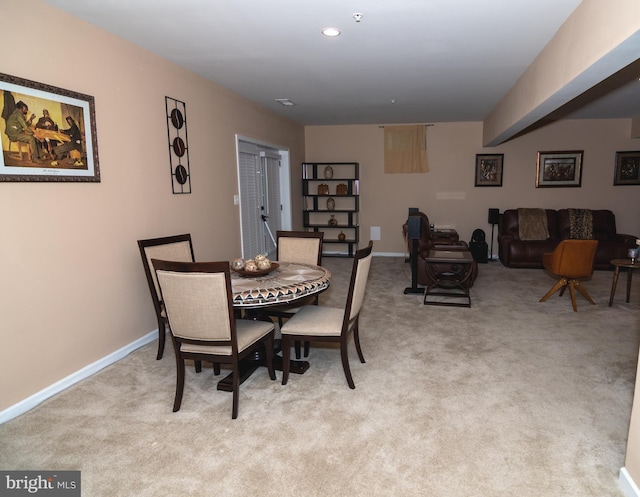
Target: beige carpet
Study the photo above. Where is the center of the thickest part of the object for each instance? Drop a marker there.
(510, 397)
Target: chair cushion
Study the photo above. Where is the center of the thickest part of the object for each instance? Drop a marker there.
(315, 320)
(248, 331)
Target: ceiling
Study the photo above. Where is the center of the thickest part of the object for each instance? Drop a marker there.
(404, 61)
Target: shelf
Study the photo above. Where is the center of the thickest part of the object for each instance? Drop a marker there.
(339, 241)
(336, 226)
(325, 211)
(347, 205)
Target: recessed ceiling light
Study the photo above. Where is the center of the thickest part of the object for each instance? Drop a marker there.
(285, 101)
(331, 32)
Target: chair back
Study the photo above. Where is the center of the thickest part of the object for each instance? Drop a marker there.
(198, 300)
(170, 248)
(572, 258)
(358, 284)
(304, 247)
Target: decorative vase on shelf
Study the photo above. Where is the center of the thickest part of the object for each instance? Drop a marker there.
(328, 172)
(331, 204)
(342, 236)
(333, 221)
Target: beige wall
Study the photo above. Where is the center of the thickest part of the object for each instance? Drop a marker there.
(447, 193)
(72, 286)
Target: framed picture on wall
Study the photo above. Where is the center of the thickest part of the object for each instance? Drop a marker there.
(559, 169)
(48, 133)
(627, 170)
(489, 169)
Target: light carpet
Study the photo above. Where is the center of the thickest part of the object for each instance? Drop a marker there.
(510, 397)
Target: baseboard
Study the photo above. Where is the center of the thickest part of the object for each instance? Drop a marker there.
(627, 484)
(39, 397)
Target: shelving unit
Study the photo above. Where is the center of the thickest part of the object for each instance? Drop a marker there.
(317, 206)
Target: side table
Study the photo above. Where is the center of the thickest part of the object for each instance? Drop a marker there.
(625, 263)
(450, 272)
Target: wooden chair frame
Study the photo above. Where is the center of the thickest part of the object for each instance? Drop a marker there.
(350, 325)
(265, 343)
(156, 298)
(281, 312)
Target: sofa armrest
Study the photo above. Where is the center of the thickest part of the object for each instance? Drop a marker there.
(630, 240)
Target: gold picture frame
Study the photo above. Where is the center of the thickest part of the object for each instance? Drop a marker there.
(61, 154)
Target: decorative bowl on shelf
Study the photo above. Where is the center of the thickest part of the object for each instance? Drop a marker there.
(259, 272)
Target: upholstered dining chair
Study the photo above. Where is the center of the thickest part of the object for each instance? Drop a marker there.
(304, 247)
(317, 323)
(171, 248)
(570, 261)
(199, 303)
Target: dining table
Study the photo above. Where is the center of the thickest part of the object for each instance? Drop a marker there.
(43, 134)
(284, 283)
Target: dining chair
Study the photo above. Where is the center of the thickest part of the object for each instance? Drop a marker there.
(570, 261)
(315, 323)
(304, 247)
(173, 248)
(199, 303)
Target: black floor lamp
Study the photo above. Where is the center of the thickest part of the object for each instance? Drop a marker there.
(494, 216)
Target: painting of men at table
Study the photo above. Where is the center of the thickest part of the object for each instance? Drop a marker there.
(56, 139)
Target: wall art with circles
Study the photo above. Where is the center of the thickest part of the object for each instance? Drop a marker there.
(178, 145)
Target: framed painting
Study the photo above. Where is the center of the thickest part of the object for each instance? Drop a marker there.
(627, 170)
(489, 169)
(48, 133)
(559, 169)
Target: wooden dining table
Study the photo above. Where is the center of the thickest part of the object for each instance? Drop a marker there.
(286, 284)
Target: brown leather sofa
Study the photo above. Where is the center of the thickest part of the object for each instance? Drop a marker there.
(429, 241)
(517, 253)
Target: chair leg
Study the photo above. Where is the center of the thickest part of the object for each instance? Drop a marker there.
(307, 346)
(296, 345)
(344, 354)
(179, 384)
(572, 291)
(198, 366)
(286, 357)
(162, 336)
(269, 357)
(236, 390)
(356, 339)
(216, 368)
(584, 292)
(560, 284)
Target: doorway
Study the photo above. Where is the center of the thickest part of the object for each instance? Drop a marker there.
(264, 195)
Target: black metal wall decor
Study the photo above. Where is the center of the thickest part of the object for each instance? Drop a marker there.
(178, 145)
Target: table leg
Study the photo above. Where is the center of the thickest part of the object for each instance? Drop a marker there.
(613, 285)
(629, 274)
(249, 365)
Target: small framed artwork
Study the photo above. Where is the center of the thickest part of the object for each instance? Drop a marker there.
(489, 169)
(559, 169)
(49, 133)
(627, 168)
